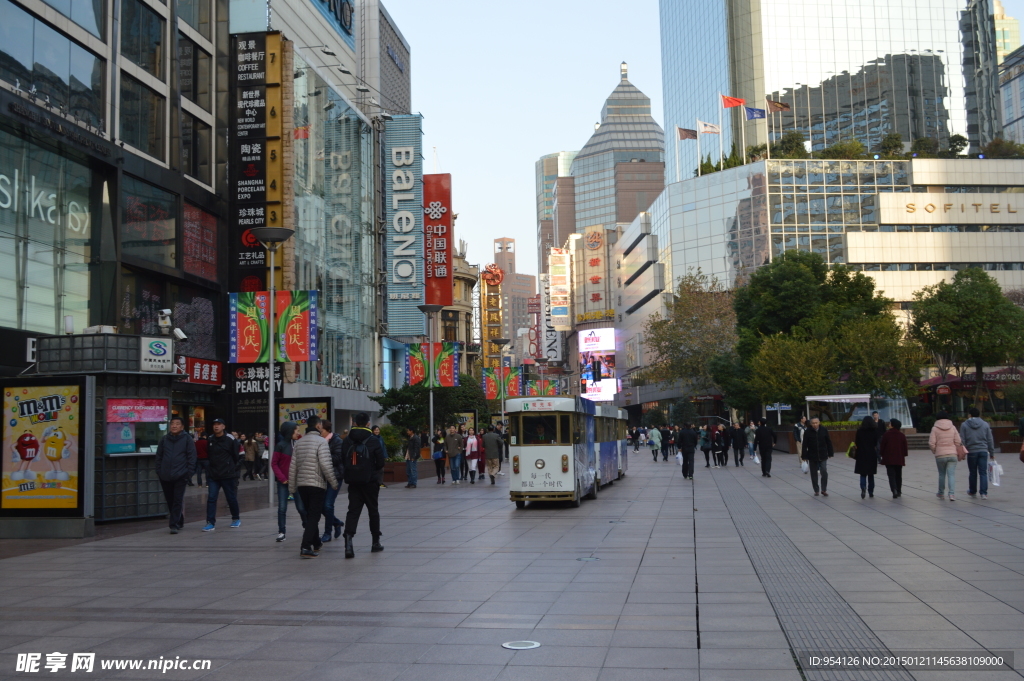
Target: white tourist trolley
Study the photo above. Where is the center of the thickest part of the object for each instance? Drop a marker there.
(564, 448)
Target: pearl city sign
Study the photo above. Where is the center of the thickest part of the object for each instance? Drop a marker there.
(950, 209)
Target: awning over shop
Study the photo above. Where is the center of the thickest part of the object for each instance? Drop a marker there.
(838, 398)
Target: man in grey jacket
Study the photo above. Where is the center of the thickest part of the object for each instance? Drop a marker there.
(309, 475)
(977, 438)
(494, 447)
(175, 463)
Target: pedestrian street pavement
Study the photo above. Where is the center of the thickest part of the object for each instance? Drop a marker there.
(730, 577)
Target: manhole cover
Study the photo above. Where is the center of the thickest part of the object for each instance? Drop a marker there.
(520, 645)
(590, 558)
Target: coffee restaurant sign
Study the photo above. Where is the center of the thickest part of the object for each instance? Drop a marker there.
(950, 209)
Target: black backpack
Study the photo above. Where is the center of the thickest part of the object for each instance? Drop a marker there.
(360, 464)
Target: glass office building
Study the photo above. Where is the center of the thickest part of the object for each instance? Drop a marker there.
(856, 70)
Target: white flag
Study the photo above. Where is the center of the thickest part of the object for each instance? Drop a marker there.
(708, 128)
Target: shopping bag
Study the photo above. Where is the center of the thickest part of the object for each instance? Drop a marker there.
(994, 472)
(851, 451)
(757, 458)
(805, 467)
(679, 458)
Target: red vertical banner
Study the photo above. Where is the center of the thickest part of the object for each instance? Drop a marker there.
(438, 237)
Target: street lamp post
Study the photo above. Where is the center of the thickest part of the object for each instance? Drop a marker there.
(542, 363)
(501, 343)
(430, 311)
(271, 238)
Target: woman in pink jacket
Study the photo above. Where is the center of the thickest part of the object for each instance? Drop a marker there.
(474, 455)
(944, 442)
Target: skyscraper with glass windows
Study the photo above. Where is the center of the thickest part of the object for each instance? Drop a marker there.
(550, 168)
(855, 70)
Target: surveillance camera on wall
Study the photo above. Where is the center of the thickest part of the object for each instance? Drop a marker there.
(180, 335)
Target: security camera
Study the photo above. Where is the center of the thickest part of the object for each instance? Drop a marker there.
(180, 335)
(164, 321)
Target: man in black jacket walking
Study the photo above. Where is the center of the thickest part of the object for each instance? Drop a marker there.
(764, 438)
(326, 429)
(739, 443)
(222, 453)
(686, 440)
(363, 458)
(816, 451)
(175, 462)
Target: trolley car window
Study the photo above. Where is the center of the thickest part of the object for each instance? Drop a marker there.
(539, 430)
(565, 432)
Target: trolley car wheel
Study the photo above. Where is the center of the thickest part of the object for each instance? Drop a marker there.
(593, 491)
(576, 498)
(520, 504)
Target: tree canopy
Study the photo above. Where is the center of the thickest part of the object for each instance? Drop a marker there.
(409, 406)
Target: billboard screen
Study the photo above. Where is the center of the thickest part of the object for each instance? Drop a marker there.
(598, 378)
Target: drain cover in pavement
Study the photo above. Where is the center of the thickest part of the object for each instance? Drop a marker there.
(520, 645)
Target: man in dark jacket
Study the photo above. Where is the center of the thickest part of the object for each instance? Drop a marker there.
(764, 438)
(223, 456)
(686, 440)
(175, 464)
(739, 443)
(494, 448)
(326, 429)
(363, 458)
(412, 457)
(816, 451)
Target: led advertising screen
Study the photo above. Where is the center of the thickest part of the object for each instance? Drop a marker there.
(598, 379)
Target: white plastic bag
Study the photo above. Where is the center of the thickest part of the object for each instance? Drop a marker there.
(995, 470)
(757, 458)
(679, 458)
(805, 467)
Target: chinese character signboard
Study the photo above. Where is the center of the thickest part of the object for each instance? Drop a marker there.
(256, 146)
(249, 328)
(438, 237)
(136, 410)
(559, 289)
(46, 431)
(598, 378)
(203, 371)
(511, 378)
(296, 326)
(445, 358)
(156, 354)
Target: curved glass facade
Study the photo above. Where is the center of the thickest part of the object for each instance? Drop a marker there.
(857, 70)
(334, 230)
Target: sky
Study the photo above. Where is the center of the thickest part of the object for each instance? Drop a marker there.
(502, 84)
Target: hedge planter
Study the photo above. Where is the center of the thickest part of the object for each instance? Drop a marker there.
(394, 471)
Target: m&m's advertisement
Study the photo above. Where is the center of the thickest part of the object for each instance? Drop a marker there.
(41, 430)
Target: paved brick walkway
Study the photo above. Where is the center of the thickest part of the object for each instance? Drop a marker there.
(718, 580)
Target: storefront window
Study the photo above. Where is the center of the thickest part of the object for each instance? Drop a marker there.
(142, 36)
(141, 298)
(89, 14)
(199, 241)
(193, 72)
(142, 117)
(148, 222)
(47, 210)
(193, 311)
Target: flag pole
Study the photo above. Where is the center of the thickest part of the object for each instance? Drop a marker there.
(721, 152)
(768, 128)
(679, 170)
(699, 157)
(743, 132)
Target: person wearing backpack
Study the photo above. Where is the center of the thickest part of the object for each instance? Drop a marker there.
(363, 458)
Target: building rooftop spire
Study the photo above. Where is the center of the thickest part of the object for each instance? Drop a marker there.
(624, 70)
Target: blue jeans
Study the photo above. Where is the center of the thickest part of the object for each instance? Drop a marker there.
(868, 482)
(412, 471)
(753, 448)
(456, 465)
(282, 506)
(977, 464)
(329, 499)
(202, 468)
(230, 487)
(947, 473)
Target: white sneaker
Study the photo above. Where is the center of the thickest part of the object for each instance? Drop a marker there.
(280, 536)
(501, 472)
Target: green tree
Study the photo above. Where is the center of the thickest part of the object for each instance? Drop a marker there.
(892, 145)
(682, 411)
(875, 356)
(787, 369)
(969, 318)
(925, 147)
(409, 406)
(790, 145)
(732, 376)
(1000, 148)
(845, 149)
(653, 418)
(957, 144)
(700, 323)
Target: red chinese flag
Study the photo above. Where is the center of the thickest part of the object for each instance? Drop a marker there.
(729, 102)
(438, 238)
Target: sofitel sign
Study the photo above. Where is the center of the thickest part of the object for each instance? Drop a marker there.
(950, 209)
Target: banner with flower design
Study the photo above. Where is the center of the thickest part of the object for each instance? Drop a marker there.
(512, 378)
(445, 358)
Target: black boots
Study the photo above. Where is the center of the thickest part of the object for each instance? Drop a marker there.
(350, 551)
(492, 479)
(376, 548)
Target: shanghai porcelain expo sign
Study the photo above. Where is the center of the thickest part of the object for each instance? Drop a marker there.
(950, 209)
